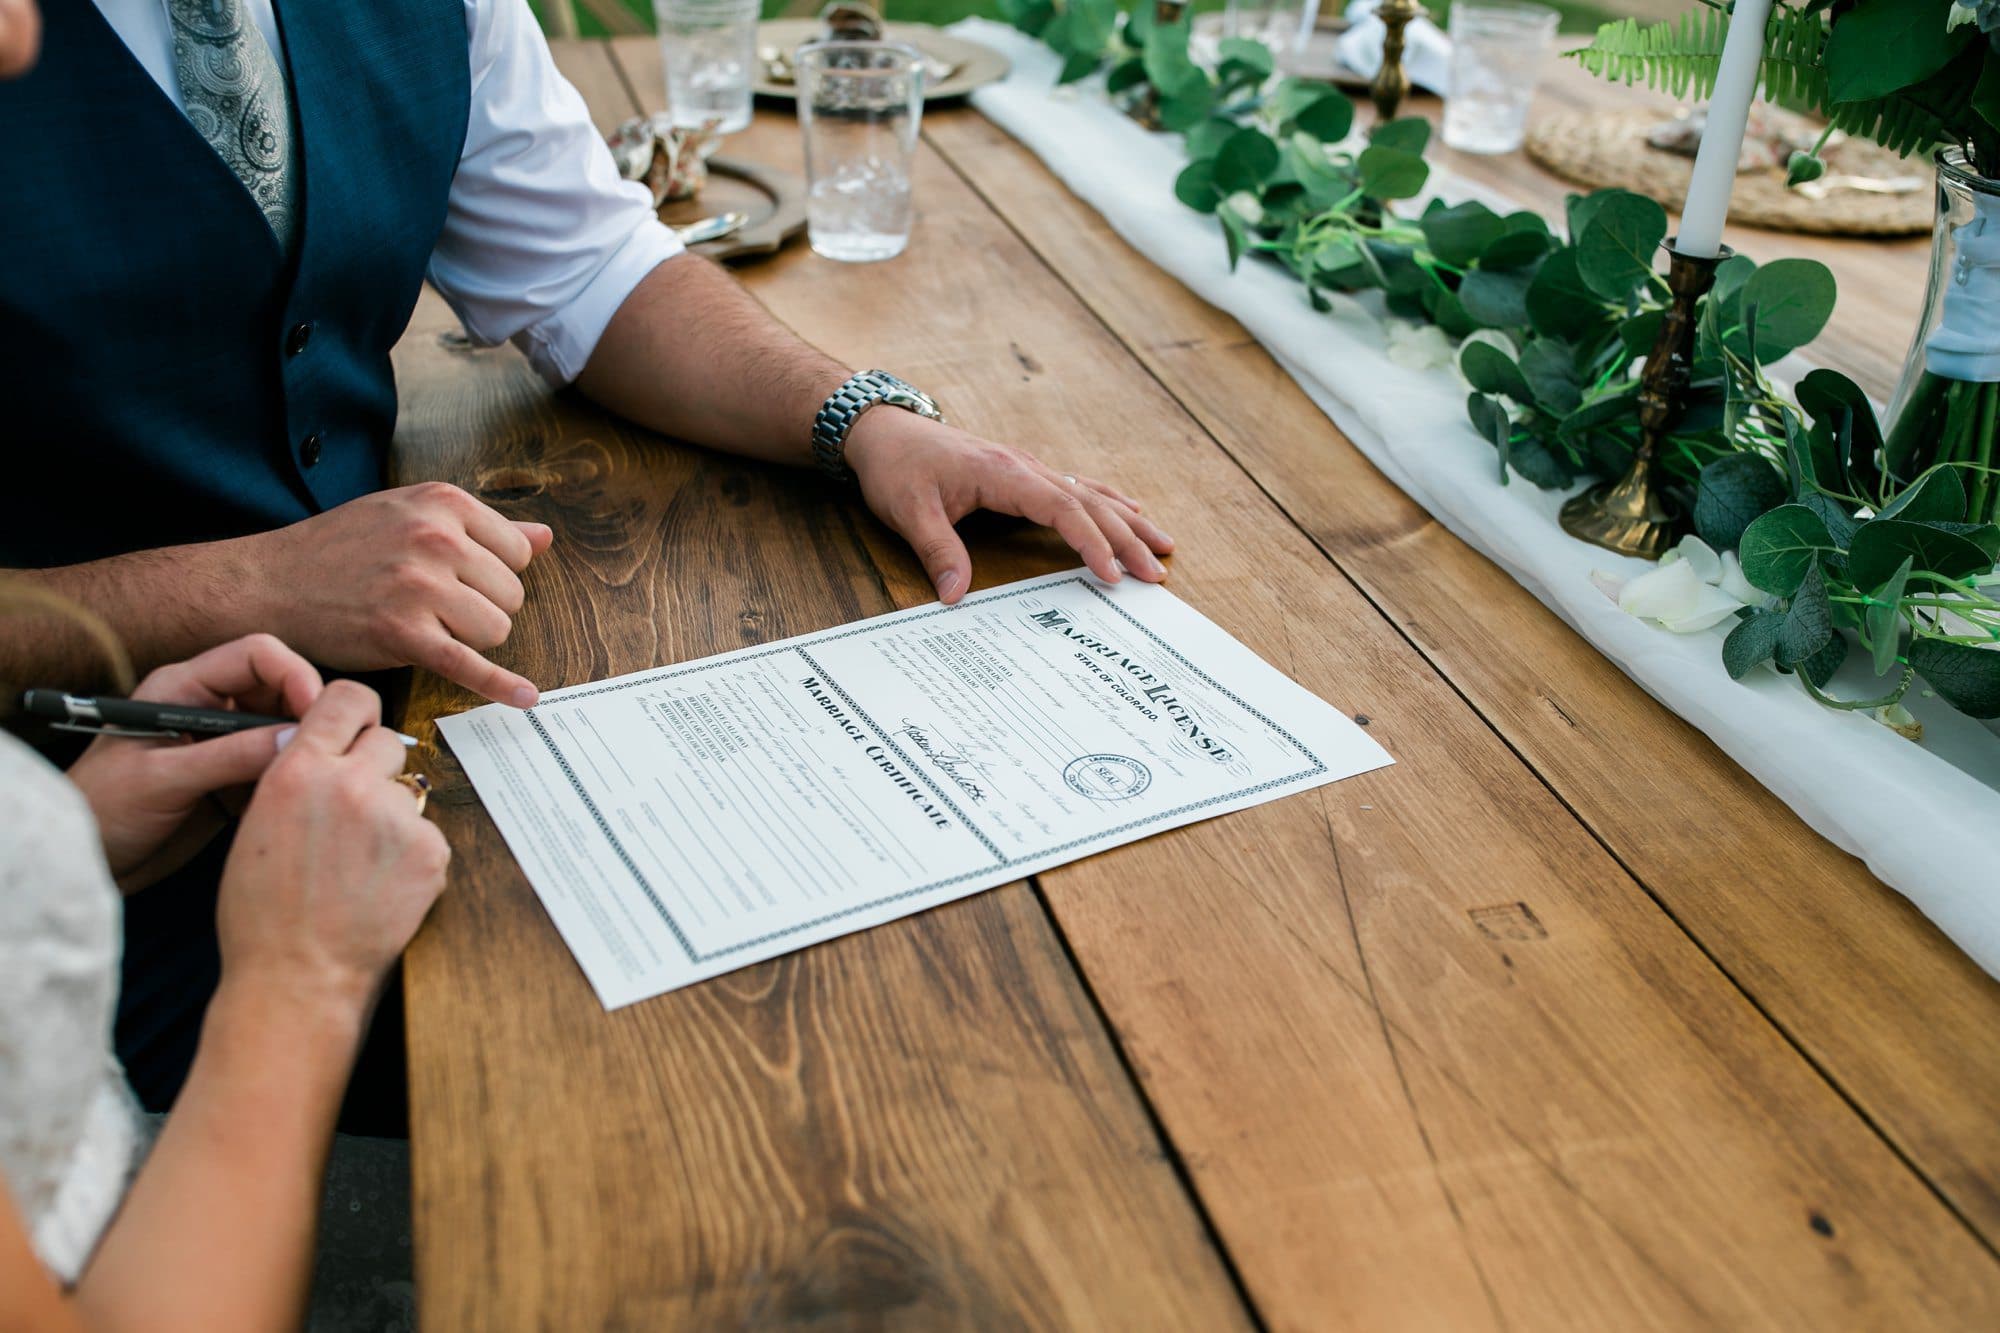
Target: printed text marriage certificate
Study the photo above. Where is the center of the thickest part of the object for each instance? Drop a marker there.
(682, 822)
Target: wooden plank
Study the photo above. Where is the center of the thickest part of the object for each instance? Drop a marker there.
(1431, 1058)
(1897, 1017)
(917, 1127)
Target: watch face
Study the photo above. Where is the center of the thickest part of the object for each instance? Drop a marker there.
(911, 399)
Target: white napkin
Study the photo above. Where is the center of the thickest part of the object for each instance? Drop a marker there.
(1426, 50)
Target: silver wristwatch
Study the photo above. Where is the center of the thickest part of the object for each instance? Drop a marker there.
(861, 392)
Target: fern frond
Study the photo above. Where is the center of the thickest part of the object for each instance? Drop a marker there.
(1682, 56)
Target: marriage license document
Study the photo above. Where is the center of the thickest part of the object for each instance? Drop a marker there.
(682, 822)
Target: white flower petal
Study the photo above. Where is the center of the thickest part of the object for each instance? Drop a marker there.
(1732, 582)
(1607, 583)
(1712, 607)
(1707, 564)
(1901, 721)
(1245, 205)
(1418, 346)
(1669, 592)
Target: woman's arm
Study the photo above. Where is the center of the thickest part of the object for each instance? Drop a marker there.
(332, 872)
(217, 1233)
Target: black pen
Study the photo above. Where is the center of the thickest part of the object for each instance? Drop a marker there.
(137, 719)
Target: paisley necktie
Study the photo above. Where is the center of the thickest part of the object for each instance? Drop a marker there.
(233, 91)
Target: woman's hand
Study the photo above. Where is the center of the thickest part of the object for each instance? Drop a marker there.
(151, 797)
(334, 867)
(921, 476)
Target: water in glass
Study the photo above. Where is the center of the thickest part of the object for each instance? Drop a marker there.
(860, 104)
(709, 48)
(1497, 52)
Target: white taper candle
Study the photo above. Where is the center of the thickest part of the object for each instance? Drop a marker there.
(1722, 140)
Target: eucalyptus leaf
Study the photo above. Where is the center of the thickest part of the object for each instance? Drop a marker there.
(1735, 491)
(1549, 367)
(1538, 464)
(1884, 618)
(1411, 134)
(1558, 303)
(1490, 370)
(1244, 57)
(1392, 173)
(1615, 254)
(1495, 300)
(1329, 119)
(1808, 621)
(1205, 139)
(1792, 300)
(1514, 250)
(1840, 524)
(1818, 667)
(1752, 641)
(1457, 235)
(1938, 496)
(1884, 543)
(1243, 162)
(1967, 677)
(1235, 235)
(1779, 548)
(1639, 332)
(1196, 187)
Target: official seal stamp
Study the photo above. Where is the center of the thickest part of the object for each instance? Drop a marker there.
(1107, 777)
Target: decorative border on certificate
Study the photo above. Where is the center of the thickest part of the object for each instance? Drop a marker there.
(1002, 862)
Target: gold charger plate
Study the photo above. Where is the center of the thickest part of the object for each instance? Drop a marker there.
(975, 65)
(775, 201)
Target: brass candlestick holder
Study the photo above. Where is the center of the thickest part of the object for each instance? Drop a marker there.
(1392, 83)
(1629, 515)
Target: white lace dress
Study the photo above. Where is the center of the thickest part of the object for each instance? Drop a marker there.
(71, 1132)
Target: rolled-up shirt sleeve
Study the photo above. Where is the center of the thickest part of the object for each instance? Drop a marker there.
(543, 240)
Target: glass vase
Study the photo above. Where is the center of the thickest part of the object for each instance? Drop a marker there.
(1947, 403)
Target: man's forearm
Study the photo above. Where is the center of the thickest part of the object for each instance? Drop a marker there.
(163, 606)
(693, 355)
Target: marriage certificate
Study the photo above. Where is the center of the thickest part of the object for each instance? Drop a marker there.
(682, 822)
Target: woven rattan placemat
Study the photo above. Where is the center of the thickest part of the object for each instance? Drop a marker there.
(1609, 150)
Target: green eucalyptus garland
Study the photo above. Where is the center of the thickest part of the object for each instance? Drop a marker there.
(1839, 543)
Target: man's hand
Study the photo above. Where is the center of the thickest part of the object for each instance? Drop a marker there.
(419, 576)
(921, 476)
(20, 37)
(150, 797)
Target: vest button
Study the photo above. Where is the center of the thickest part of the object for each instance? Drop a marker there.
(296, 340)
(309, 449)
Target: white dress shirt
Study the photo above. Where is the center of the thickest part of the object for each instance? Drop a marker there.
(543, 240)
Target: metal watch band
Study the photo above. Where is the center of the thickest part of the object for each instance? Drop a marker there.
(838, 414)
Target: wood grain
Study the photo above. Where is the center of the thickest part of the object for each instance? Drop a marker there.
(1431, 1057)
(1898, 1019)
(921, 1126)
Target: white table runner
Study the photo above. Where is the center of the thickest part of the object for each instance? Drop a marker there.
(1925, 817)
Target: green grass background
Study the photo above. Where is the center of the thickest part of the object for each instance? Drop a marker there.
(1578, 15)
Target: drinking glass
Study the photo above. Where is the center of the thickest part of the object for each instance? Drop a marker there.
(1497, 52)
(860, 104)
(1283, 25)
(709, 48)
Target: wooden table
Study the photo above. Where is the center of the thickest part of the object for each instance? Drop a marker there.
(1561, 1021)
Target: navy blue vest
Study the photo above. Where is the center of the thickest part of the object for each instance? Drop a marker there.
(166, 373)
